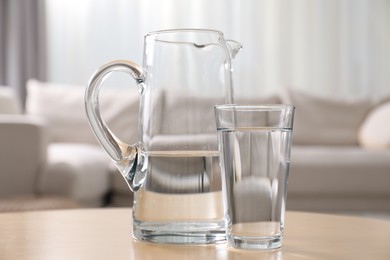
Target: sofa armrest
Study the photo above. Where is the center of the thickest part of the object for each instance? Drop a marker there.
(23, 144)
(78, 171)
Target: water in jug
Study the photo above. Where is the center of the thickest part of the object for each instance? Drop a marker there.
(174, 168)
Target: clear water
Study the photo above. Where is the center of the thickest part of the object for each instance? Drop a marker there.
(255, 164)
(181, 199)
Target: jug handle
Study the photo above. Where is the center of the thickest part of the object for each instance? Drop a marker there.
(131, 160)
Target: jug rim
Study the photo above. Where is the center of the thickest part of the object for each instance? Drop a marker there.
(166, 31)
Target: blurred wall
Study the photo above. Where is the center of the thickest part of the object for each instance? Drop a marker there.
(328, 47)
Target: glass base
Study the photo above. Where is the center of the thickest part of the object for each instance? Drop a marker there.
(250, 242)
(180, 233)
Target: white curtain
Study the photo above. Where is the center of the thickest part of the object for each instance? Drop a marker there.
(22, 52)
(328, 47)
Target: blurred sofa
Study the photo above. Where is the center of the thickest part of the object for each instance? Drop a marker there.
(338, 163)
(340, 154)
(77, 165)
(36, 172)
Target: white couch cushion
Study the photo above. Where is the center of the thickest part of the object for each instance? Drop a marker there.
(323, 121)
(342, 170)
(78, 171)
(23, 146)
(9, 104)
(184, 113)
(63, 108)
(375, 130)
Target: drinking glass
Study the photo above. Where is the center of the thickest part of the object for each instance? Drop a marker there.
(254, 147)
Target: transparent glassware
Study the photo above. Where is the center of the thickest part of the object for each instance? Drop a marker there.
(255, 144)
(174, 168)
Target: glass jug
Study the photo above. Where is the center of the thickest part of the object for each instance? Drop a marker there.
(174, 168)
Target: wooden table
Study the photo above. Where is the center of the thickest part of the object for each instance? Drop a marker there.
(107, 234)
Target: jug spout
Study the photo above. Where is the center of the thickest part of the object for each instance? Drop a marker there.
(234, 47)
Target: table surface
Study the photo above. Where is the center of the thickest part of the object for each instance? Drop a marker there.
(107, 234)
